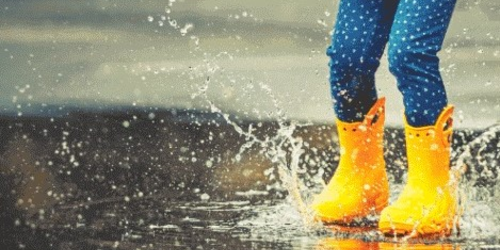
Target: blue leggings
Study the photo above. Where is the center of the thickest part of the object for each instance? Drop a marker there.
(415, 30)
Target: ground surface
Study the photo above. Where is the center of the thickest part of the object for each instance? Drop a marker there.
(172, 180)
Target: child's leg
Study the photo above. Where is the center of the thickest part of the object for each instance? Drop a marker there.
(416, 36)
(361, 32)
(427, 204)
(359, 186)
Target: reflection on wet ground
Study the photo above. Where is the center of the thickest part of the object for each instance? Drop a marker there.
(332, 243)
(149, 179)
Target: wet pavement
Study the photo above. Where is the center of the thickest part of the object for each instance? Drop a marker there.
(178, 179)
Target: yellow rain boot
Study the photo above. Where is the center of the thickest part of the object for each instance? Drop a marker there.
(427, 205)
(359, 186)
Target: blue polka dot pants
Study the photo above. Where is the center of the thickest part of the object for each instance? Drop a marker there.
(414, 31)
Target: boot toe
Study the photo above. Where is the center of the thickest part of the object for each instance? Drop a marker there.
(394, 221)
(332, 212)
(401, 221)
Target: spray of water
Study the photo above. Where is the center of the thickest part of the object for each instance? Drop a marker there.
(476, 176)
(276, 148)
(284, 149)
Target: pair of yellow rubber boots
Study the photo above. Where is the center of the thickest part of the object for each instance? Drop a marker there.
(359, 187)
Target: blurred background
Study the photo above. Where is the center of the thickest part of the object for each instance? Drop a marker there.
(58, 55)
(175, 124)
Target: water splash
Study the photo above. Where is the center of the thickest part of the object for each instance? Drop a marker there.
(283, 149)
(174, 23)
(478, 189)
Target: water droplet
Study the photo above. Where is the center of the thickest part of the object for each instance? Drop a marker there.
(209, 164)
(186, 29)
(205, 197)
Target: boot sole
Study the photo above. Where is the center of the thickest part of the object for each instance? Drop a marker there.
(359, 221)
(389, 229)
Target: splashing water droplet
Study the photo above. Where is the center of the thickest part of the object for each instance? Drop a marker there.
(205, 197)
(188, 27)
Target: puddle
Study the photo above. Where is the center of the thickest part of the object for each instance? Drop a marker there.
(86, 181)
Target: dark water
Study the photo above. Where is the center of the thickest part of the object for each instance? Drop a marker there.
(177, 179)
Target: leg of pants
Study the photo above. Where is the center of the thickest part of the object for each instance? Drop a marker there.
(416, 37)
(417, 31)
(360, 35)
